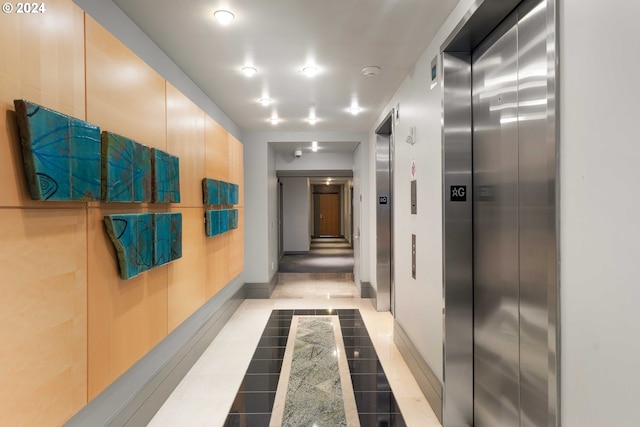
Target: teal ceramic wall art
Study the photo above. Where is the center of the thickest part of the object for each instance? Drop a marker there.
(233, 219)
(166, 177)
(234, 193)
(176, 235)
(219, 193)
(210, 191)
(161, 238)
(132, 236)
(61, 154)
(126, 170)
(167, 240)
(211, 223)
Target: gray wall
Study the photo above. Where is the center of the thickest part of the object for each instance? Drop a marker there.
(296, 211)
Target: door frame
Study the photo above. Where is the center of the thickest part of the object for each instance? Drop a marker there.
(457, 238)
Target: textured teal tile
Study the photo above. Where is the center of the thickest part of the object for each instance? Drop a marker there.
(176, 236)
(234, 193)
(212, 223)
(132, 237)
(141, 174)
(161, 238)
(233, 219)
(223, 220)
(211, 191)
(166, 177)
(117, 168)
(224, 193)
(61, 154)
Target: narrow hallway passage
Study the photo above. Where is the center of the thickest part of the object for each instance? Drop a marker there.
(233, 383)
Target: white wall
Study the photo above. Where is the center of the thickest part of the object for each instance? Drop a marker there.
(600, 212)
(295, 218)
(314, 161)
(261, 244)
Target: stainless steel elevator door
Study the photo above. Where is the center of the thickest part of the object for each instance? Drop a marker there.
(510, 216)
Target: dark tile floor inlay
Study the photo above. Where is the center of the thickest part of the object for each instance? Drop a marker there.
(376, 404)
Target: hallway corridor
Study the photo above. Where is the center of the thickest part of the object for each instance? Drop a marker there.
(209, 391)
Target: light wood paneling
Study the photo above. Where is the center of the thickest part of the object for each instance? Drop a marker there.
(236, 256)
(42, 61)
(185, 139)
(236, 166)
(188, 275)
(218, 250)
(217, 148)
(42, 315)
(124, 94)
(126, 318)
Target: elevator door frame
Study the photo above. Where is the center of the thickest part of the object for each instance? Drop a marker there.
(384, 152)
(455, 62)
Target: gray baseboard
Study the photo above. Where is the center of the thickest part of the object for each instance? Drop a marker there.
(296, 253)
(429, 383)
(260, 290)
(367, 291)
(135, 397)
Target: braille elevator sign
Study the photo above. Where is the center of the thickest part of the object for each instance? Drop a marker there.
(458, 193)
(382, 200)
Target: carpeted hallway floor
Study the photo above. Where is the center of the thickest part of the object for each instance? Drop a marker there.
(326, 255)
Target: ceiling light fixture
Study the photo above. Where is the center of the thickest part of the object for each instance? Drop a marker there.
(265, 101)
(224, 17)
(310, 71)
(314, 146)
(372, 70)
(249, 71)
(312, 120)
(355, 110)
(274, 120)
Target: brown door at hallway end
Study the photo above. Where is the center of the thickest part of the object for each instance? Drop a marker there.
(329, 209)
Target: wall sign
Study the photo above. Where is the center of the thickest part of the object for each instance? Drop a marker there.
(383, 200)
(458, 193)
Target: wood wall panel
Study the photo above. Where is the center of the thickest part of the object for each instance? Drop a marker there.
(42, 315)
(185, 139)
(126, 318)
(42, 61)
(236, 165)
(188, 275)
(124, 94)
(217, 150)
(218, 273)
(236, 247)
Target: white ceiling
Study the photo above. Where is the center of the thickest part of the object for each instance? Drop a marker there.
(287, 147)
(279, 37)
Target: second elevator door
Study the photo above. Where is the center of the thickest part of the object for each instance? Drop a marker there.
(510, 215)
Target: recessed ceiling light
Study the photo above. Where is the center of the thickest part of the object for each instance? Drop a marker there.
(249, 71)
(265, 101)
(310, 71)
(274, 120)
(312, 120)
(224, 17)
(354, 110)
(372, 70)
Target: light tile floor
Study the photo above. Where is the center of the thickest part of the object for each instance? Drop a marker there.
(206, 393)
